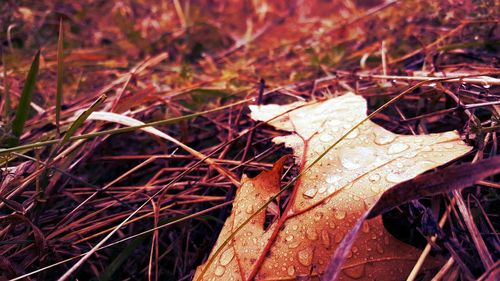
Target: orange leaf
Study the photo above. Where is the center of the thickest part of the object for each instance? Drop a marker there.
(329, 197)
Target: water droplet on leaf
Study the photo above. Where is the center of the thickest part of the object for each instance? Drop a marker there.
(332, 178)
(325, 238)
(353, 134)
(249, 209)
(448, 145)
(291, 270)
(305, 256)
(338, 237)
(365, 227)
(384, 138)
(219, 270)
(339, 214)
(311, 234)
(374, 177)
(310, 193)
(397, 148)
(227, 256)
(357, 157)
(325, 137)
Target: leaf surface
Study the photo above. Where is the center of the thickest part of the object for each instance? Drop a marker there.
(328, 199)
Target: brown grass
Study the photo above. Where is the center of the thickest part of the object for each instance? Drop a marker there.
(162, 60)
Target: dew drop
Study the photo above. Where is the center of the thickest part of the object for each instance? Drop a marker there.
(349, 254)
(332, 189)
(396, 177)
(338, 237)
(311, 234)
(374, 177)
(448, 145)
(384, 138)
(334, 122)
(295, 227)
(365, 227)
(289, 238)
(322, 189)
(227, 256)
(397, 148)
(305, 257)
(310, 193)
(406, 174)
(332, 178)
(380, 249)
(339, 214)
(355, 272)
(319, 149)
(291, 270)
(357, 157)
(325, 137)
(426, 148)
(249, 209)
(375, 188)
(318, 216)
(410, 154)
(219, 270)
(294, 244)
(325, 238)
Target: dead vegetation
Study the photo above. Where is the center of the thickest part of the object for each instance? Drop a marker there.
(146, 206)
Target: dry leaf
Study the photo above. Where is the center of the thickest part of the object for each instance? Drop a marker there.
(328, 199)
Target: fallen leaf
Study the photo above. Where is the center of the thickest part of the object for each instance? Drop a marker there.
(328, 199)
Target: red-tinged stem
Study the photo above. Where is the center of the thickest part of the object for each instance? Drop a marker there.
(258, 264)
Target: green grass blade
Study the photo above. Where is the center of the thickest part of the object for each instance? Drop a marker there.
(24, 103)
(60, 64)
(79, 121)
